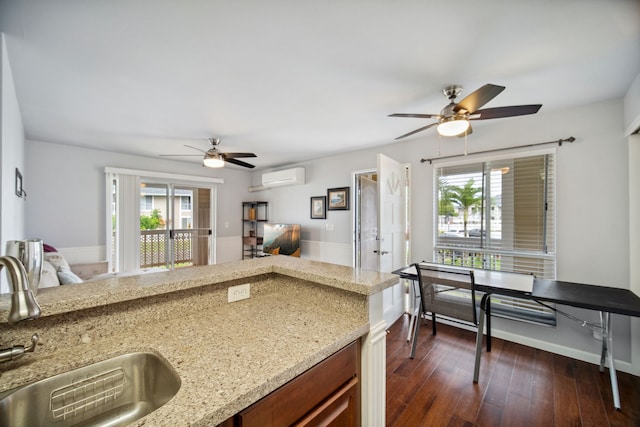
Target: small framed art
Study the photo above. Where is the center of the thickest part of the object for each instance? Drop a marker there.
(319, 207)
(338, 199)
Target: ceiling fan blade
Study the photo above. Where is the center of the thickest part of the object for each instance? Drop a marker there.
(498, 112)
(195, 148)
(240, 163)
(180, 155)
(417, 116)
(417, 130)
(236, 155)
(477, 99)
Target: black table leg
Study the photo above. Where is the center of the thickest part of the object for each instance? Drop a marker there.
(488, 311)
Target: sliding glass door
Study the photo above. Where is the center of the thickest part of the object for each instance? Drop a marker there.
(175, 225)
(159, 222)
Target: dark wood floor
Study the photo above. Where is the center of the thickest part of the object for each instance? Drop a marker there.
(518, 385)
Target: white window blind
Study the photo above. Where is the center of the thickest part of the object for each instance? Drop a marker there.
(499, 215)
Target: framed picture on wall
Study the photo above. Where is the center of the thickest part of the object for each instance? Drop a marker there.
(319, 207)
(338, 199)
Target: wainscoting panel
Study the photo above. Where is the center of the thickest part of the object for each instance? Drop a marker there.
(334, 253)
(83, 254)
(228, 249)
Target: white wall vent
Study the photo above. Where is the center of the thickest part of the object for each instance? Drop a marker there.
(283, 177)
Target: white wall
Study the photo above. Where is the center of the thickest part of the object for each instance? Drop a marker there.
(66, 203)
(600, 146)
(592, 208)
(632, 107)
(634, 244)
(632, 123)
(12, 208)
(12, 156)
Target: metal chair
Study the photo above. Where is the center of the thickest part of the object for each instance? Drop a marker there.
(447, 291)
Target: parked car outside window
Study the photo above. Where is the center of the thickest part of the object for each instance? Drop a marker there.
(476, 232)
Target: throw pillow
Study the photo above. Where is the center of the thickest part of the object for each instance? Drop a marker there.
(49, 276)
(56, 259)
(67, 276)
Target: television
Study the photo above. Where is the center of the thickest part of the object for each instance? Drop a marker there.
(281, 239)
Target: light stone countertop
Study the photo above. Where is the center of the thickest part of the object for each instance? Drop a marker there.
(227, 355)
(115, 289)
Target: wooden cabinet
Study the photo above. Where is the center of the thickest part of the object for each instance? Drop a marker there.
(326, 395)
(339, 410)
(254, 215)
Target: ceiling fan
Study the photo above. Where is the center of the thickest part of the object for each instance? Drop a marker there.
(454, 119)
(214, 158)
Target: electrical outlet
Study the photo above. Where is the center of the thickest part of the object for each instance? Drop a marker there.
(240, 292)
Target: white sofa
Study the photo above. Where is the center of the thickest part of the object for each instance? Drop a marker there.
(56, 271)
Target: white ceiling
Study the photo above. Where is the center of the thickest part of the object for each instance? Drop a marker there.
(296, 80)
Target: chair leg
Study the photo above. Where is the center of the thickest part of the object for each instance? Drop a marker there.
(433, 323)
(415, 309)
(416, 331)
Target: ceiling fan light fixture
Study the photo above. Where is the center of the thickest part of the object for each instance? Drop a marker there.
(453, 126)
(213, 160)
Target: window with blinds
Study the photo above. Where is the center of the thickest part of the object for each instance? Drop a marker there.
(499, 215)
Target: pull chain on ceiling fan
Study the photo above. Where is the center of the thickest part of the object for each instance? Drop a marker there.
(454, 118)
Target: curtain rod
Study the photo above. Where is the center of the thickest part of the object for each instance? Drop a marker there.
(559, 142)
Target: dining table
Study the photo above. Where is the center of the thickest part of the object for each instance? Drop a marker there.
(606, 300)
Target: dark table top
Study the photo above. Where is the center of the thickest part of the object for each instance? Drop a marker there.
(592, 297)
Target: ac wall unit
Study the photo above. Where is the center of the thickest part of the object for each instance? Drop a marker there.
(283, 177)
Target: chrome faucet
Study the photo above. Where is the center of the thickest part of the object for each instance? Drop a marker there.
(23, 304)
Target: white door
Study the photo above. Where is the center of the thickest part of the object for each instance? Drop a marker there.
(392, 243)
(368, 223)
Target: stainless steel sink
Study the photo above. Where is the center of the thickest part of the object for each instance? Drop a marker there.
(114, 392)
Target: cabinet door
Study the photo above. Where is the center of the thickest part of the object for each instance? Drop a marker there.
(307, 392)
(340, 410)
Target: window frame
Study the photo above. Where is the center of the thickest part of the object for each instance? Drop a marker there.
(507, 307)
(185, 205)
(146, 203)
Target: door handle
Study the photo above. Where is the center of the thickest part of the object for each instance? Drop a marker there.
(381, 252)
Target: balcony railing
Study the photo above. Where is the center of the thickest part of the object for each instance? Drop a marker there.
(540, 265)
(153, 247)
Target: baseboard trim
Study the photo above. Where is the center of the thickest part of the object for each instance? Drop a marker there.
(561, 350)
(547, 346)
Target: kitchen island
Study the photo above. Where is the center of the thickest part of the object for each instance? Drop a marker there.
(228, 355)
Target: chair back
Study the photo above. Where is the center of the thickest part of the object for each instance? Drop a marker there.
(448, 291)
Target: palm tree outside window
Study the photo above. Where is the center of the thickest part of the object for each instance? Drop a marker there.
(498, 215)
